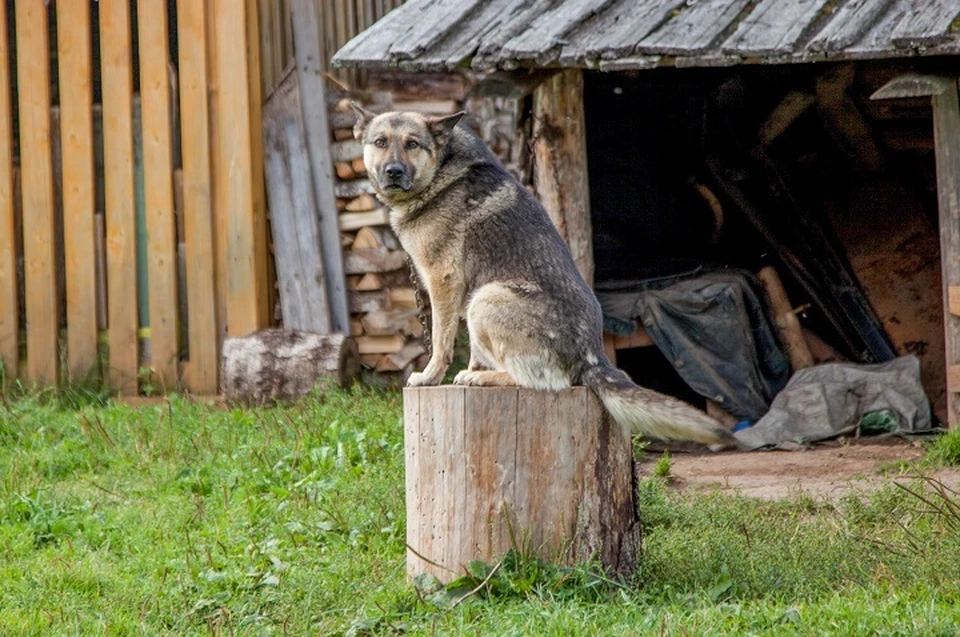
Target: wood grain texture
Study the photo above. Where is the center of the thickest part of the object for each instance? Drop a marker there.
(617, 31)
(850, 22)
(313, 103)
(158, 191)
(235, 172)
(9, 324)
(293, 212)
(773, 27)
(197, 197)
(39, 239)
(258, 184)
(548, 31)
(694, 29)
(560, 153)
(927, 27)
(490, 469)
(119, 213)
(946, 131)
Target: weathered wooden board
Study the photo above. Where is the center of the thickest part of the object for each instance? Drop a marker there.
(618, 30)
(119, 213)
(927, 27)
(694, 28)
(39, 239)
(485, 26)
(490, 469)
(430, 26)
(850, 22)
(9, 325)
(560, 153)
(310, 71)
(201, 377)
(773, 27)
(76, 139)
(356, 220)
(363, 260)
(267, 300)
(158, 192)
(547, 33)
(293, 212)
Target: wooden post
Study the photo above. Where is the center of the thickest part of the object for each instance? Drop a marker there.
(120, 212)
(201, 376)
(76, 135)
(33, 80)
(946, 134)
(306, 30)
(786, 319)
(158, 191)
(560, 175)
(9, 327)
(490, 469)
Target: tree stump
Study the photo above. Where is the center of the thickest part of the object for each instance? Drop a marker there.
(276, 365)
(490, 469)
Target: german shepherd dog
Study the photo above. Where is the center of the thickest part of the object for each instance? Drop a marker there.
(486, 250)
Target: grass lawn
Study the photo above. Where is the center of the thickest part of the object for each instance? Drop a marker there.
(190, 519)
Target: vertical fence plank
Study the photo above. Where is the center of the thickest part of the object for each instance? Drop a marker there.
(218, 193)
(33, 81)
(9, 325)
(75, 61)
(234, 172)
(158, 189)
(256, 156)
(120, 213)
(201, 377)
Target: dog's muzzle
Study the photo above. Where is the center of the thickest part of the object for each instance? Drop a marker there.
(395, 177)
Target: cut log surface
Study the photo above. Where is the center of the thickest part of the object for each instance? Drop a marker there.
(277, 365)
(490, 469)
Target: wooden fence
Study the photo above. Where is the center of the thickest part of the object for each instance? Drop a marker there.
(132, 214)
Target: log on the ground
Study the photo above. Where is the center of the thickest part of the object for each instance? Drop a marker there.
(490, 469)
(276, 365)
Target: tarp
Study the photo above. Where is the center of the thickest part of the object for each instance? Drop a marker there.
(830, 400)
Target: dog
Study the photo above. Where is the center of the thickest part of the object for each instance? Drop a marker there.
(486, 250)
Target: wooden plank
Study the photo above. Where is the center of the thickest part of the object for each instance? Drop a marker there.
(431, 26)
(9, 326)
(306, 34)
(791, 107)
(197, 197)
(158, 191)
(617, 31)
(946, 133)
(548, 31)
(927, 27)
(33, 80)
(380, 344)
(953, 299)
(559, 157)
(355, 220)
(119, 212)
(773, 27)
(953, 380)
(694, 29)
(293, 212)
(355, 188)
(234, 172)
(265, 308)
(850, 22)
(76, 135)
(363, 260)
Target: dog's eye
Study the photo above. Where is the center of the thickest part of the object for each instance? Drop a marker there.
(412, 144)
(380, 142)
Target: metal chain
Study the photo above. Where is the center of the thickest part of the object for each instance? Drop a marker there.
(421, 306)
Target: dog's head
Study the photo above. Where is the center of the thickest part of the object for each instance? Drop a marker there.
(401, 151)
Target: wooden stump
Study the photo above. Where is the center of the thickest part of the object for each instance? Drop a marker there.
(490, 469)
(274, 365)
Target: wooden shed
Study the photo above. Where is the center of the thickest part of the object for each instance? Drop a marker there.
(819, 137)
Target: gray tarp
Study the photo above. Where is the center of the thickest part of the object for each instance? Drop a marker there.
(714, 330)
(830, 400)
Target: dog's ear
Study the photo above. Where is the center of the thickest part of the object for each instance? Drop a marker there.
(441, 127)
(363, 119)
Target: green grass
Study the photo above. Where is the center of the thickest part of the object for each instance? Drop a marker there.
(190, 519)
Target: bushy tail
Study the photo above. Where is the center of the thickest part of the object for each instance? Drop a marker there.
(650, 413)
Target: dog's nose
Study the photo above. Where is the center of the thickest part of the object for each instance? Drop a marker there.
(393, 171)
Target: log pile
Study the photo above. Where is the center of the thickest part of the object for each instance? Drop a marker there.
(384, 313)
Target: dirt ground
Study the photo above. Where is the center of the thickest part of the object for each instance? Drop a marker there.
(829, 469)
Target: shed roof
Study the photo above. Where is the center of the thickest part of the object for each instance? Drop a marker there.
(434, 35)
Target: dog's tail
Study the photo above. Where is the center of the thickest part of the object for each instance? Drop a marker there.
(650, 413)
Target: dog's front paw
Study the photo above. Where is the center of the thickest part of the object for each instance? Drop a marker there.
(462, 377)
(422, 379)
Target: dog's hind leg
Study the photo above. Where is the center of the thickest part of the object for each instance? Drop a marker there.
(506, 335)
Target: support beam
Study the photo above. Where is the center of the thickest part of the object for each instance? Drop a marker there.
(946, 134)
(560, 175)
